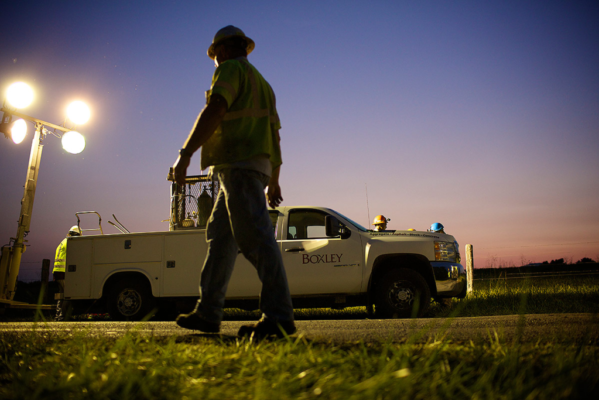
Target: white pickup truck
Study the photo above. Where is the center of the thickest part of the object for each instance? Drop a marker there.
(330, 261)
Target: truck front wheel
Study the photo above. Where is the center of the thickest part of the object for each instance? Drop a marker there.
(402, 293)
(130, 300)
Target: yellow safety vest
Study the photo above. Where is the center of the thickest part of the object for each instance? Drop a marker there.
(250, 125)
(60, 259)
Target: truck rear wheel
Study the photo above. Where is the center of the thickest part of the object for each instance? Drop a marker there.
(130, 300)
(402, 293)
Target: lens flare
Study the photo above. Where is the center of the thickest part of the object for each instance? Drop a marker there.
(78, 112)
(19, 95)
(18, 131)
(73, 142)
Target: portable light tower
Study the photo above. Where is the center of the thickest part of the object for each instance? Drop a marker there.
(20, 95)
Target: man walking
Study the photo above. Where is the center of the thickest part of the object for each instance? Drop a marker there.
(238, 131)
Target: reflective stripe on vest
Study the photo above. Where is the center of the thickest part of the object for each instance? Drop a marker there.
(60, 258)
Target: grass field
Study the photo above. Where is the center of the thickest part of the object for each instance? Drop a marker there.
(538, 295)
(572, 294)
(47, 366)
(199, 368)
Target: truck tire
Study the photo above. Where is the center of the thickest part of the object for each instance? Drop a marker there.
(130, 300)
(399, 291)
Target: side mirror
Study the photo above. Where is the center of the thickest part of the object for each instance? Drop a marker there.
(335, 228)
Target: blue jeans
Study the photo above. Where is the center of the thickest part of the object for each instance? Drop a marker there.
(240, 220)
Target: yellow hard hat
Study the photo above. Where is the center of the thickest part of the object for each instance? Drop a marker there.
(75, 231)
(228, 32)
(380, 219)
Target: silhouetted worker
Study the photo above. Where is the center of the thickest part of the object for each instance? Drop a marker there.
(60, 259)
(238, 131)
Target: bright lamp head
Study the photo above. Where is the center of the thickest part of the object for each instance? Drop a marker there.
(78, 112)
(73, 142)
(19, 95)
(18, 131)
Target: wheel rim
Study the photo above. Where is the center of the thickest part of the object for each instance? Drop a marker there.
(129, 302)
(401, 295)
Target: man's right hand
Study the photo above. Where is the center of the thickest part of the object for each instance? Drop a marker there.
(180, 169)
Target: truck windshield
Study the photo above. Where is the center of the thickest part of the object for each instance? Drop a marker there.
(355, 224)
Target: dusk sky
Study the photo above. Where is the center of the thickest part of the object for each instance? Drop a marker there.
(481, 115)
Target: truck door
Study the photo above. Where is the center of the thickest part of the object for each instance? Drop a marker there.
(317, 264)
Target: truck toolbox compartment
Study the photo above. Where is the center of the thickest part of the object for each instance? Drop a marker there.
(128, 248)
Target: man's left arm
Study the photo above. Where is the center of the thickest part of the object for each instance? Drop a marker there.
(274, 189)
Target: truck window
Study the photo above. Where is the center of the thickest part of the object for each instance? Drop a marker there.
(306, 224)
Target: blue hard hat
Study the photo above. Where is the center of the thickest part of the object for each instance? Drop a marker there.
(436, 227)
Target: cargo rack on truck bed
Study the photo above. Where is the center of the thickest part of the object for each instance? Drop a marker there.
(191, 204)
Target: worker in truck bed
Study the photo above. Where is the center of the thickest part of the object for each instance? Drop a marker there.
(59, 268)
(437, 227)
(238, 131)
(380, 223)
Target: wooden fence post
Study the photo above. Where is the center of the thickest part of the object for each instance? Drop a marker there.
(469, 267)
(45, 276)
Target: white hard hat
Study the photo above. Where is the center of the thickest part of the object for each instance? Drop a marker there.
(75, 231)
(228, 32)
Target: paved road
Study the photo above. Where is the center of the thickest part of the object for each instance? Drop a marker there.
(580, 328)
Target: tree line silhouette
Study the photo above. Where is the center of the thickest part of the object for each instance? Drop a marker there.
(562, 261)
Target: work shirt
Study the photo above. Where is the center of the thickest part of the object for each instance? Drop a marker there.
(60, 259)
(248, 132)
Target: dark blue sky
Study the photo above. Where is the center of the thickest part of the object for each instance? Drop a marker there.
(481, 115)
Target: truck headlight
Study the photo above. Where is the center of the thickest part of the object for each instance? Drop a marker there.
(445, 251)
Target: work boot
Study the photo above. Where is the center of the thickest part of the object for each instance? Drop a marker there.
(197, 322)
(59, 316)
(267, 327)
